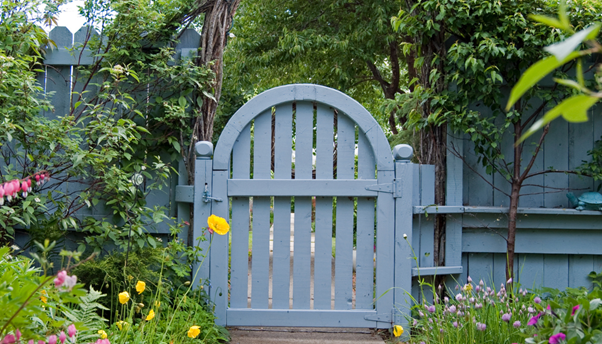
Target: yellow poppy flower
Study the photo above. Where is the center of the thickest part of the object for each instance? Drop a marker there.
(103, 334)
(43, 297)
(157, 304)
(218, 224)
(194, 331)
(468, 287)
(397, 330)
(150, 315)
(124, 297)
(140, 286)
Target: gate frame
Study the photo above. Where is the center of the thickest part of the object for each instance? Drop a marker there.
(211, 175)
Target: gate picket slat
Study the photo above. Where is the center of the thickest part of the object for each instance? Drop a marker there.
(364, 258)
(343, 276)
(384, 244)
(304, 118)
(239, 275)
(281, 258)
(260, 265)
(323, 234)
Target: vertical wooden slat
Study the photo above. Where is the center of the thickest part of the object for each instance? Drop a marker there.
(282, 208)
(579, 267)
(500, 198)
(364, 271)
(479, 191)
(203, 176)
(481, 267)
(219, 248)
(556, 154)
(453, 196)
(323, 222)
(580, 135)
(531, 268)
(344, 215)
(499, 270)
(304, 119)
(532, 196)
(556, 271)
(427, 232)
(385, 240)
(239, 260)
(403, 251)
(261, 212)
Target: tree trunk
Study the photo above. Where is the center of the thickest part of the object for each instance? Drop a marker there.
(512, 213)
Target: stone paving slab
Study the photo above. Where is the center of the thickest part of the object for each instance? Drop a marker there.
(301, 335)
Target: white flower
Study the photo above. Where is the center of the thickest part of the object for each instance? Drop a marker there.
(405, 236)
(37, 200)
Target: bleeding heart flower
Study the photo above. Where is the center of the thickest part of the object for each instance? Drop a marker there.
(71, 331)
(2, 194)
(62, 337)
(52, 339)
(24, 187)
(60, 278)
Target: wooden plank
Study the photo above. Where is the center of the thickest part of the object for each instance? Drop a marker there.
(304, 119)
(323, 220)
(453, 197)
(499, 270)
(364, 257)
(219, 250)
(531, 270)
(183, 212)
(532, 191)
(500, 221)
(260, 263)
(385, 241)
(556, 271)
(598, 263)
(300, 187)
(239, 260)
(403, 237)
(479, 190)
(534, 241)
(344, 215)
(579, 267)
(203, 175)
(556, 155)
(281, 256)
(427, 223)
(580, 135)
(312, 93)
(480, 266)
(300, 317)
(438, 271)
(500, 198)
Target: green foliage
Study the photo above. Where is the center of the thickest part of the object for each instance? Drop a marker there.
(85, 314)
(575, 108)
(460, 319)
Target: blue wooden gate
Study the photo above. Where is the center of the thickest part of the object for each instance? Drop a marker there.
(314, 154)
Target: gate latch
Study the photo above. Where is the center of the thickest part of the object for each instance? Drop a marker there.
(394, 188)
(207, 196)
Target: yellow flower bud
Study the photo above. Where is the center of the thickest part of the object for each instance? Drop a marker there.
(397, 330)
(150, 315)
(103, 334)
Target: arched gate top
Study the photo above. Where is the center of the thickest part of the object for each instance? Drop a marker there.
(303, 92)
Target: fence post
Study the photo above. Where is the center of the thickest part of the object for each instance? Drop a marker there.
(203, 172)
(404, 176)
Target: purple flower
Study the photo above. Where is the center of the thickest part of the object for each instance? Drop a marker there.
(481, 327)
(534, 319)
(455, 323)
(555, 339)
(509, 281)
(478, 306)
(516, 324)
(575, 310)
(537, 300)
(431, 309)
(452, 309)
(506, 317)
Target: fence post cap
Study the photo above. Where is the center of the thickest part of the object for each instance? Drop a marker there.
(403, 152)
(204, 149)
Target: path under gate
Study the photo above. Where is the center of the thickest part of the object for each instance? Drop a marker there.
(363, 197)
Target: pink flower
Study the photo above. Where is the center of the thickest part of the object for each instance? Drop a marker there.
(24, 187)
(62, 337)
(575, 310)
(8, 191)
(52, 339)
(70, 282)
(18, 334)
(506, 317)
(71, 331)
(516, 324)
(534, 319)
(555, 339)
(9, 339)
(537, 299)
(30, 341)
(41, 342)
(60, 278)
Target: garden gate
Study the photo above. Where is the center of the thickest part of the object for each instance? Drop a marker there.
(314, 152)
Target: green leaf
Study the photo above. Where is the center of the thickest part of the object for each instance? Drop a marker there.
(573, 109)
(176, 145)
(562, 49)
(593, 304)
(182, 101)
(549, 21)
(571, 83)
(535, 73)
